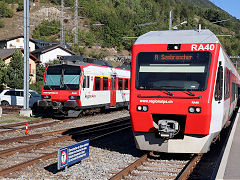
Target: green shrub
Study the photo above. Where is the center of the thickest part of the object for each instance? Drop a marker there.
(36, 86)
(46, 28)
(5, 11)
(2, 24)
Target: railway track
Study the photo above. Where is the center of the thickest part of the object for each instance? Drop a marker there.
(29, 150)
(36, 124)
(11, 109)
(45, 122)
(148, 167)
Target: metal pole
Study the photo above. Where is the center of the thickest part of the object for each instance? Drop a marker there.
(76, 22)
(26, 54)
(170, 20)
(62, 23)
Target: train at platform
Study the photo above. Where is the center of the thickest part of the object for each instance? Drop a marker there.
(184, 88)
(71, 89)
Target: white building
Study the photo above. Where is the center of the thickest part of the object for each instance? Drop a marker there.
(50, 53)
(16, 42)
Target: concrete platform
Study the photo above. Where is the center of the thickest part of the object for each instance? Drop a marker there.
(26, 112)
(230, 163)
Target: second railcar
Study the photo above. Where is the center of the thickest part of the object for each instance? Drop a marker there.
(68, 90)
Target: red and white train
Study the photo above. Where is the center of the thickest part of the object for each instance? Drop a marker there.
(184, 89)
(70, 89)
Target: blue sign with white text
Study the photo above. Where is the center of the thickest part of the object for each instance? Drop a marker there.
(72, 154)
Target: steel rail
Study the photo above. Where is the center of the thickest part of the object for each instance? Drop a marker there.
(40, 135)
(189, 168)
(183, 175)
(38, 125)
(33, 122)
(130, 168)
(7, 152)
(8, 126)
(53, 141)
(10, 109)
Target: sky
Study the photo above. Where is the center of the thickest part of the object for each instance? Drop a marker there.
(231, 6)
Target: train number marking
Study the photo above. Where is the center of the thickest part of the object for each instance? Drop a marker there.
(203, 47)
(195, 102)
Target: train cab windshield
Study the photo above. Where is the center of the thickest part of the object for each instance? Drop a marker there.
(175, 71)
(62, 77)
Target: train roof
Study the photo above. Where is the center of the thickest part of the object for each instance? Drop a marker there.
(178, 37)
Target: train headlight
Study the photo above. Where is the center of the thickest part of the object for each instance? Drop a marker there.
(142, 108)
(46, 96)
(193, 109)
(198, 109)
(145, 108)
(139, 108)
(74, 97)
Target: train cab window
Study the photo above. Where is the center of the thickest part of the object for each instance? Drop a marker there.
(105, 83)
(219, 84)
(120, 84)
(97, 83)
(173, 71)
(86, 82)
(126, 84)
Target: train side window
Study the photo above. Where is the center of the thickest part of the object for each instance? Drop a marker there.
(219, 84)
(105, 83)
(233, 92)
(126, 84)
(120, 84)
(86, 82)
(97, 83)
(227, 83)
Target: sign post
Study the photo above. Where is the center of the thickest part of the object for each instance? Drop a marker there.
(72, 154)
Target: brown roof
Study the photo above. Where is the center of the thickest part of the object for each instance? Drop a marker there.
(16, 37)
(7, 53)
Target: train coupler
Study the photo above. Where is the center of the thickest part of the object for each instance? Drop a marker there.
(168, 128)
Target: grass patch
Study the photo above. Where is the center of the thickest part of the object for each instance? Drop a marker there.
(7, 121)
(27, 118)
(16, 117)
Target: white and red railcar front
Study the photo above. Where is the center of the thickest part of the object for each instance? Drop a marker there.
(184, 88)
(70, 89)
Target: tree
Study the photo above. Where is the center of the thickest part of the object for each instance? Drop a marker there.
(15, 71)
(2, 73)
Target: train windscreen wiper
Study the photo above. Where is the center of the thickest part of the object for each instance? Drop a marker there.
(171, 97)
(189, 93)
(168, 93)
(45, 86)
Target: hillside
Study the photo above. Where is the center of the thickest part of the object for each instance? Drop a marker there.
(124, 18)
(200, 3)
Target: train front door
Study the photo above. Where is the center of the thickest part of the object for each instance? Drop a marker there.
(113, 93)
